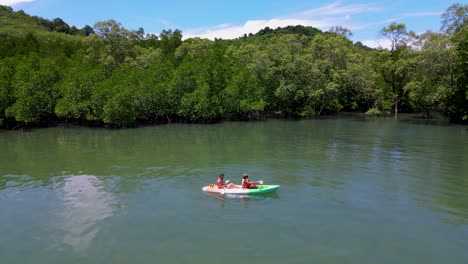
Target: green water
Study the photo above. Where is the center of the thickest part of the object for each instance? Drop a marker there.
(352, 191)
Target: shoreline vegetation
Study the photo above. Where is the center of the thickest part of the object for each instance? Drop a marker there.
(54, 74)
(416, 118)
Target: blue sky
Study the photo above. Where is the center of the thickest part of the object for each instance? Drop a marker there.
(230, 19)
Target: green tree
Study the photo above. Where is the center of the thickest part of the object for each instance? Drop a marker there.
(203, 102)
(194, 49)
(60, 26)
(283, 90)
(341, 31)
(87, 30)
(454, 18)
(243, 98)
(110, 45)
(328, 57)
(256, 58)
(154, 101)
(76, 89)
(458, 99)
(7, 71)
(33, 90)
(432, 77)
(170, 40)
(359, 82)
(115, 100)
(144, 57)
(394, 65)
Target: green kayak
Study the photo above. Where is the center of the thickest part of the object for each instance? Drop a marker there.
(239, 190)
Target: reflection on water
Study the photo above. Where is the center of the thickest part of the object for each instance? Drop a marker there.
(244, 199)
(86, 204)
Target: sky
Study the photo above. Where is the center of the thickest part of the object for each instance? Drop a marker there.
(234, 18)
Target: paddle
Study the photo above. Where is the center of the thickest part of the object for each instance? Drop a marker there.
(224, 188)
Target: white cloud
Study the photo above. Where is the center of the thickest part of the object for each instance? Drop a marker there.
(227, 31)
(337, 8)
(13, 2)
(422, 14)
(378, 43)
(322, 18)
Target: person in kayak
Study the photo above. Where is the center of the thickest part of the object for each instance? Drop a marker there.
(248, 184)
(220, 182)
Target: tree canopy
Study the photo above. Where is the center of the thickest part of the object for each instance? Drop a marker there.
(51, 72)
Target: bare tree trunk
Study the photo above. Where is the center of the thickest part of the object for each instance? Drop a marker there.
(321, 109)
(396, 110)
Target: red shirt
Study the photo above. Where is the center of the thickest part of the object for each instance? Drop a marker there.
(245, 183)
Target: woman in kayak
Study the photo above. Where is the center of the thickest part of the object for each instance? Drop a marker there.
(248, 184)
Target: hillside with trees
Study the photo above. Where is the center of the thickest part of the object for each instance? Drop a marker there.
(107, 75)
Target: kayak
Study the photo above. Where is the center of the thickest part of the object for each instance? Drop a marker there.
(239, 190)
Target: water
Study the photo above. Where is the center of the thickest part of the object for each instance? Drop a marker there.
(352, 190)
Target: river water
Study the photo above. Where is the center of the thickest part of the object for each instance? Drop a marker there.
(353, 190)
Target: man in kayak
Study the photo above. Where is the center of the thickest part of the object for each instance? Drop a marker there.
(220, 182)
(248, 184)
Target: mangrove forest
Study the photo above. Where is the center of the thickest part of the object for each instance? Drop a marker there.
(52, 73)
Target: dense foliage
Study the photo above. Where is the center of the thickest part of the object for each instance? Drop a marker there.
(52, 73)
